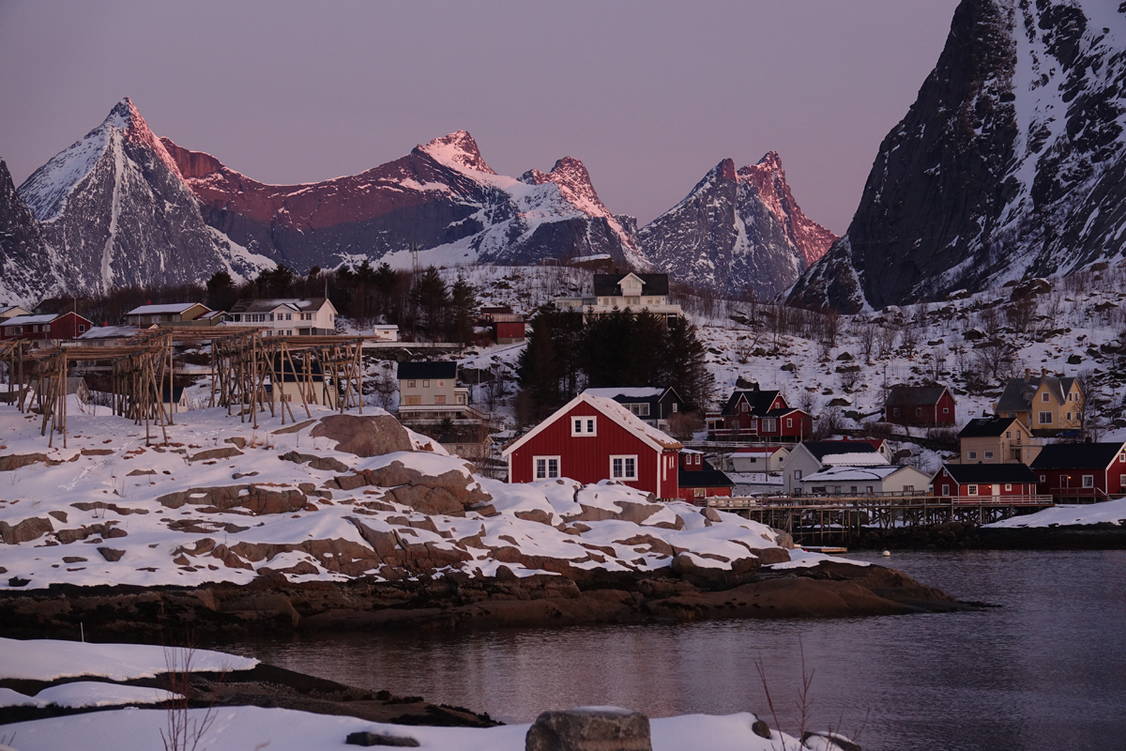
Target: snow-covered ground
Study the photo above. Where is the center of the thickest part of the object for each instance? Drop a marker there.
(288, 730)
(220, 503)
(1107, 512)
(51, 659)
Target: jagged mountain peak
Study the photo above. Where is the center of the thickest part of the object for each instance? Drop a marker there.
(771, 163)
(458, 150)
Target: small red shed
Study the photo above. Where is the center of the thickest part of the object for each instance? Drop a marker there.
(699, 480)
(919, 405)
(593, 438)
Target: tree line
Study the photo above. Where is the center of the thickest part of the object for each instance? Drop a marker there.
(564, 355)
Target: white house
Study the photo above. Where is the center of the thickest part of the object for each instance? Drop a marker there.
(755, 459)
(176, 312)
(386, 332)
(286, 316)
(865, 480)
(811, 456)
(617, 292)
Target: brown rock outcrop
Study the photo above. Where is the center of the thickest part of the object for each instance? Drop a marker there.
(364, 435)
(25, 531)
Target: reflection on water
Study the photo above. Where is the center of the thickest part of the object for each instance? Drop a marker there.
(1046, 670)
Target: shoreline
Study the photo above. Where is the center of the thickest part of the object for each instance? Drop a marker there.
(274, 605)
(958, 536)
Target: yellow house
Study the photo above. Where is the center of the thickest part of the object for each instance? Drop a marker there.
(997, 440)
(1044, 402)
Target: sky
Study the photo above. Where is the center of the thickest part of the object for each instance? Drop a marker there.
(649, 94)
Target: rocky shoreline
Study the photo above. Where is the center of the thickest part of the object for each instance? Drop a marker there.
(959, 536)
(271, 604)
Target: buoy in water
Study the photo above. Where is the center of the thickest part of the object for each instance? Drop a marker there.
(887, 554)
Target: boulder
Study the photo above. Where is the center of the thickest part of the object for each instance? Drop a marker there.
(364, 435)
(368, 738)
(220, 453)
(15, 461)
(111, 554)
(589, 729)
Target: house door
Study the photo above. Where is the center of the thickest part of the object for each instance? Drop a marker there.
(996, 489)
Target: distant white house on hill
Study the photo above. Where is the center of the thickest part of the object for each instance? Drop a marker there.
(865, 480)
(286, 316)
(637, 292)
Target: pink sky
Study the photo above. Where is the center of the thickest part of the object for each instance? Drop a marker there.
(650, 95)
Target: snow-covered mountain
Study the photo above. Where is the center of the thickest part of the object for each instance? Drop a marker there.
(737, 231)
(443, 199)
(1009, 165)
(114, 212)
(24, 258)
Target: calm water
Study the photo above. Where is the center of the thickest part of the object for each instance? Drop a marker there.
(1046, 670)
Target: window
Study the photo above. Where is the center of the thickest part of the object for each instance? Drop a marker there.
(439, 398)
(426, 384)
(988, 454)
(973, 454)
(744, 407)
(946, 489)
(699, 492)
(1044, 397)
(413, 401)
(852, 489)
(1088, 481)
(869, 488)
(1043, 478)
(789, 422)
(769, 424)
(1045, 418)
(584, 426)
(797, 475)
(945, 410)
(1122, 481)
(410, 384)
(640, 409)
(1068, 415)
(1007, 432)
(623, 467)
(546, 467)
(675, 407)
(971, 490)
(1008, 487)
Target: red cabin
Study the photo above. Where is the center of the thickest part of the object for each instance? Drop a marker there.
(919, 405)
(1081, 471)
(593, 438)
(699, 480)
(48, 326)
(756, 415)
(971, 482)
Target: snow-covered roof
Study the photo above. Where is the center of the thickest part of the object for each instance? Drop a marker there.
(30, 320)
(172, 307)
(852, 473)
(109, 332)
(856, 459)
(626, 392)
(651, 436)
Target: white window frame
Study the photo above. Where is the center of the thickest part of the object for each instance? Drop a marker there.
(988, 454)
(1040, 417)
(547, 467)
(971, 490)
(585, 426)
(699, 492)
(623, 458)
(973, 454)
(946, 488)
(1008, 487)
(1088, 481)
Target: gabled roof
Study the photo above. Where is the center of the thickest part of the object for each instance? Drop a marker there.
(427, 370)
(821, 449)
(172, 307)
(849, 472)
(990, 473)
(110, 332)
(914, 396)
(1018, 393)
(656, 439)
(634, 394)
(1078, 455)
(265, 305)
(705, 477)
(855, 459)
(606, 285)
(759, 400)
(987, 427)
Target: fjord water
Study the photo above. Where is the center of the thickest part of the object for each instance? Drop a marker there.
(1046, 669)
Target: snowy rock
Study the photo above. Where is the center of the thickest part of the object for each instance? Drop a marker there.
(589, 729)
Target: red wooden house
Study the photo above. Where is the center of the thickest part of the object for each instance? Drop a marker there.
(1081, 471)
(757, 415)
(919, 405)
(975, 481)
(593, 438)
(699, 480)
(49, 326)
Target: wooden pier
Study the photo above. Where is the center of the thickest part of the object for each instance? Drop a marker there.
(844, 519)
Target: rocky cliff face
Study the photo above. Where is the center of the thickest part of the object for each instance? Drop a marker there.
(443, 198)
(26, 266)
(116, 213)
(1008, 165)
(737, 232)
